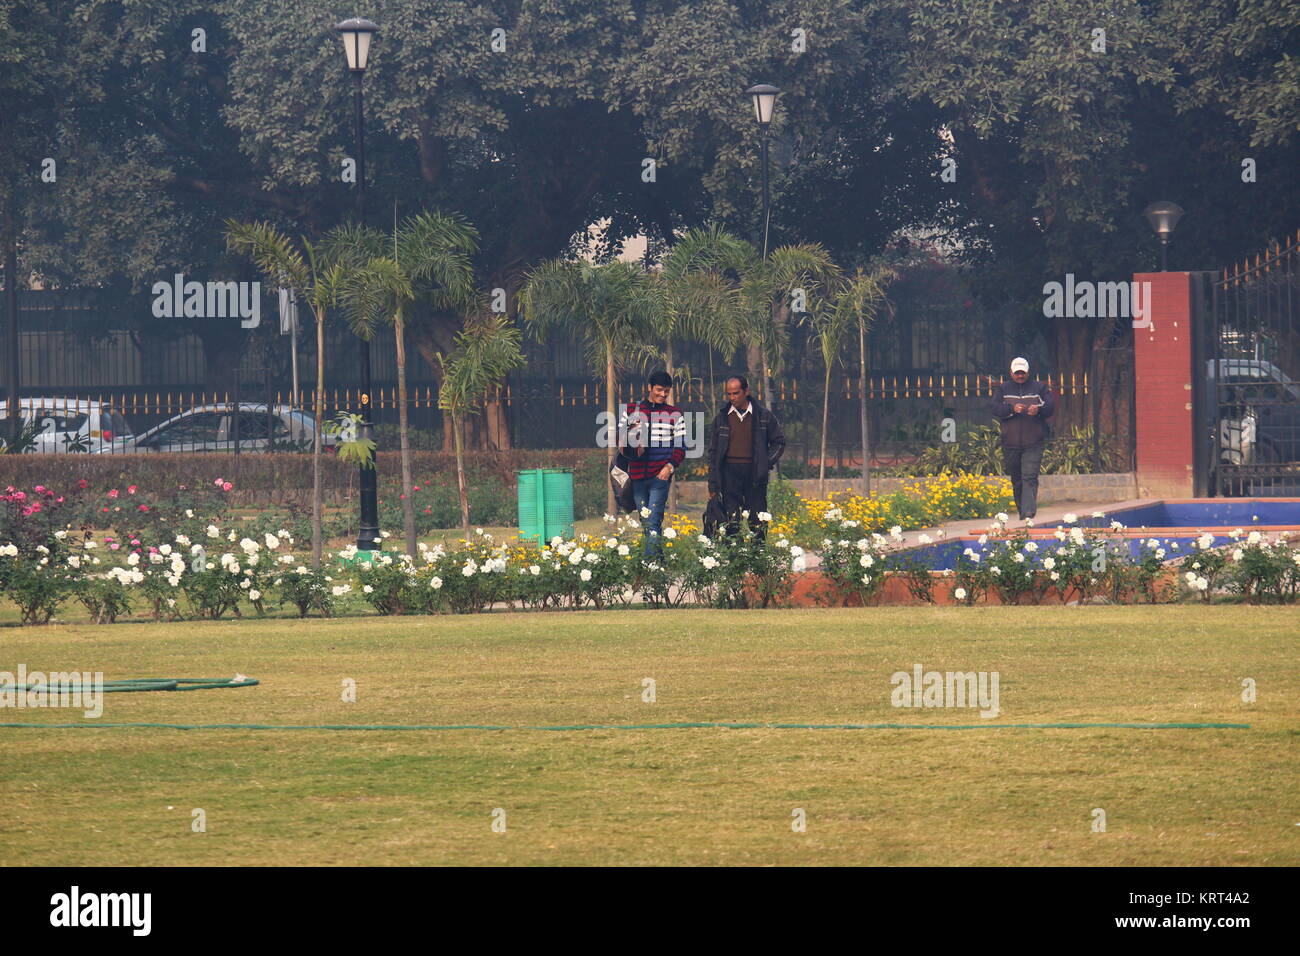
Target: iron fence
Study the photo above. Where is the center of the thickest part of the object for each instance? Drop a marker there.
(1247, 375)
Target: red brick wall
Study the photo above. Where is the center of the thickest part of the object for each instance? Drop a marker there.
(1162, 381)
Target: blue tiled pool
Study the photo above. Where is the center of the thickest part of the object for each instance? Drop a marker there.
(1206, 513)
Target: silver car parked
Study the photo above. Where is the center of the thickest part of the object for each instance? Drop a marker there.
(69, 424)
(252, 426)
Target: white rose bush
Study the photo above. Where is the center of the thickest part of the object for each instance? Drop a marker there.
(199, 562)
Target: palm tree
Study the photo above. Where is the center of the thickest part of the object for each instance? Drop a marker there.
(431, 257)
(704, 303)
(609, 308)
(769, 285)
(703, 299)
(486, 351)
(854, 302)
(317, 280)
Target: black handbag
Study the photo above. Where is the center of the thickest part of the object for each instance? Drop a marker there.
(714, 516)
(621, 483)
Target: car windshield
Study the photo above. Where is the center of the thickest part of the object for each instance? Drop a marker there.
(114, 425)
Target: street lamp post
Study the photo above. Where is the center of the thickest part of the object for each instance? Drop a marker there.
(357, 34)
(1163, 216)
(764, 96)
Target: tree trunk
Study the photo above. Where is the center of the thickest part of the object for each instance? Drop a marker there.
(496, 425)
(826, 408)
(673, 499)
(316, 543)
(460, 474)
(1072, 343)
(862, 406)
(403, 418)
(611, 506)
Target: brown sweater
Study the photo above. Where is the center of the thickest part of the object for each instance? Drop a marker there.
(740, 447)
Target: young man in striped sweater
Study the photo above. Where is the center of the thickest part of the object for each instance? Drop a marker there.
(656, 446)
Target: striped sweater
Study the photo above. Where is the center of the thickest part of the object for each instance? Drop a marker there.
(652, 436)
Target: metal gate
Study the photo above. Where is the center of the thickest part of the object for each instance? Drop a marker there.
(1246, 365)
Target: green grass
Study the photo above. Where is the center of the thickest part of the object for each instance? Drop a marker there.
(698, 796)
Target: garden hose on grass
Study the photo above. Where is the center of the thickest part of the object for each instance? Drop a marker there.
(177, 683)
(136, 684)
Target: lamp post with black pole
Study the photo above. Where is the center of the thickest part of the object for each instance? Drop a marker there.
(357, 34)
(764, 96)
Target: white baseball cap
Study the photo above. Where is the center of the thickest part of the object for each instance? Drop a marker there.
(1020, 365)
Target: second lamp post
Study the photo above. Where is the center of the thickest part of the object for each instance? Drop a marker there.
(356, 35)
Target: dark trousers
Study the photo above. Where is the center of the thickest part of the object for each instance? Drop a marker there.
(1022, 466)
(740, 491)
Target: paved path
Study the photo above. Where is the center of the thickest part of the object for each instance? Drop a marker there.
(1048, 517)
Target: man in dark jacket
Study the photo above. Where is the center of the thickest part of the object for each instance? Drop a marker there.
(1022, 408)
(745, 444)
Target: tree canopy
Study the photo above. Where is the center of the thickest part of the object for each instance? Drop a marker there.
(535, 118)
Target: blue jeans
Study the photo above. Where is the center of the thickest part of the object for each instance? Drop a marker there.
(651, 493)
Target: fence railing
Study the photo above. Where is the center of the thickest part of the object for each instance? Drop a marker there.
(537, 417)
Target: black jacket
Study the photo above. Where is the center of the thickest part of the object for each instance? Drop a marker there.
(769, 444)
(1023, 430)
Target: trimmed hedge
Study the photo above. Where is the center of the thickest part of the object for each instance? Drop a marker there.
(284, 478)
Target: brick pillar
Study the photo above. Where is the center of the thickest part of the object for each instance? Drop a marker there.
(1162, 358)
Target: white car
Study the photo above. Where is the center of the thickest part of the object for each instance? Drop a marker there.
(217, 428)
(71, 424)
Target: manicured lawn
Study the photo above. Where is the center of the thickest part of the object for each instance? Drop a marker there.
(692, 796)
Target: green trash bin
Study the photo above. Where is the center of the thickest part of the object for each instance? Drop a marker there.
(545, 504)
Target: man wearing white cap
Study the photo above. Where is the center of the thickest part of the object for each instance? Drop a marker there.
(1022, 408)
